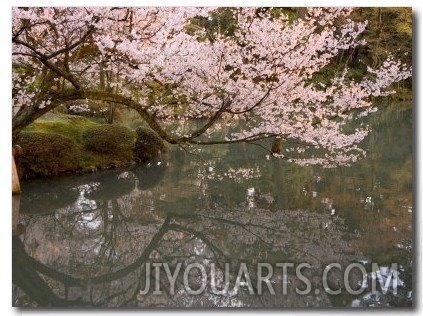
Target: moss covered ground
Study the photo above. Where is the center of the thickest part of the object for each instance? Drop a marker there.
(59, 144)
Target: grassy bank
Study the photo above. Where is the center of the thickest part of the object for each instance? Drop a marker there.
(59, 144)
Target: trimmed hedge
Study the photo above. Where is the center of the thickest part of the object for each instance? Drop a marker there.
(46, 154)
(148, 145)
(108, 138)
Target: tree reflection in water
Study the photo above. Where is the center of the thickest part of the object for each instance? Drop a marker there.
(88, 240)
(95, 255)
(102, 265)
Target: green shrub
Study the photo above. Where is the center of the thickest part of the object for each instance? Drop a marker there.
(46, 154)
(108, 138)
(148, 144)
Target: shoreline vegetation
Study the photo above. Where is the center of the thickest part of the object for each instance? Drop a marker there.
(59, 144)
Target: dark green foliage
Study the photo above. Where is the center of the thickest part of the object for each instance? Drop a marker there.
(108, 138)
(388, 33)
(46, 154)
(148, 144)
(221, 21)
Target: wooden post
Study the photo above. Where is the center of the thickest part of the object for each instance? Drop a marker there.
(16, 188)
(277, 146)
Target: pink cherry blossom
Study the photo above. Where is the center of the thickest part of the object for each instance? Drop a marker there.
(257, 82)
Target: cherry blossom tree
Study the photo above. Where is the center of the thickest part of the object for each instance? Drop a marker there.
(258, 83)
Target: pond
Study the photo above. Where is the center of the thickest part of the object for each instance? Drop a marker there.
(225, 227)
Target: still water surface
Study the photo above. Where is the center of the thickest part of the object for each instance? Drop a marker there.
(90, 240)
